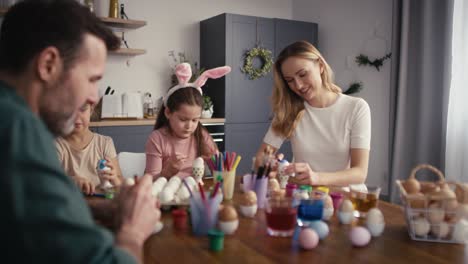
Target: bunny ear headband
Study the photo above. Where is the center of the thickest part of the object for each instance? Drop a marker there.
(183, 72)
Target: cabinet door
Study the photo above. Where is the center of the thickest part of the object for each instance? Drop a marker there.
(247, 101)
(245, 139)
(289, 31)
(128, 138)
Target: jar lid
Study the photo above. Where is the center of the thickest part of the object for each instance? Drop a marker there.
(323, 189)
(306, 188)
(291, 186)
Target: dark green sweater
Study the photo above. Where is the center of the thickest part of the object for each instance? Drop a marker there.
(44, 217)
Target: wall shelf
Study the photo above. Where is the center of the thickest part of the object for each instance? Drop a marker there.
(128, 52)
(123, 23)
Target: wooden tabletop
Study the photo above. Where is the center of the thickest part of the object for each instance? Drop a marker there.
(251, 244)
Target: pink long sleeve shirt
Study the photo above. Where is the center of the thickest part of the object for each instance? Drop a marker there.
(162, 145)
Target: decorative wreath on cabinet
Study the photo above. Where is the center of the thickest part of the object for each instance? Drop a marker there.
(267, 62)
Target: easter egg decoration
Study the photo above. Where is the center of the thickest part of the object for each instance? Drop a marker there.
(359, 236)
(375, 222)
(308, 239)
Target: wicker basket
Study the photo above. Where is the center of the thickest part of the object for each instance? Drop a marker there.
(436, 207)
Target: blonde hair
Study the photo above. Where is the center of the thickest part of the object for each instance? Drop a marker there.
(287, 105)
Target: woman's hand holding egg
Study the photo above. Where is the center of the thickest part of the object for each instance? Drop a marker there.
(304, 174)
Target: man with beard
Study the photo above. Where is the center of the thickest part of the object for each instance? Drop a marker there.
(52, 54)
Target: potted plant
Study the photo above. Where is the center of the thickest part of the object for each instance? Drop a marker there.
(207, 107)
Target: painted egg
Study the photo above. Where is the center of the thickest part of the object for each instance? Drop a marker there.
(321, 228)
(359, 236)
(198, 163)
(308, 238)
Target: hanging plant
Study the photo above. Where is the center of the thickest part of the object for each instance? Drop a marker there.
(363, 60)
(354, 88)
(267, 62)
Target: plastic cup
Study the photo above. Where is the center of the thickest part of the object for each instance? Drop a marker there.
(260, 189)
(281, 216)
(204, 213)
(228, 184)
(179, 218)
(337, 198)
(216, 240)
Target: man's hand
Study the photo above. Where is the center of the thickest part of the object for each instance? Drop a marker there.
(138, 214)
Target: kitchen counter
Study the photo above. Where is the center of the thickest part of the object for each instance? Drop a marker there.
(146, 122)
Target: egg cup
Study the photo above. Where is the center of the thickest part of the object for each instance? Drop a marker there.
(248, 210)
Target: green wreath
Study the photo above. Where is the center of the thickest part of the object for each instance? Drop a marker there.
(267, 62)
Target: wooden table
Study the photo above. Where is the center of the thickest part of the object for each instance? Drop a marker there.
(251, 244)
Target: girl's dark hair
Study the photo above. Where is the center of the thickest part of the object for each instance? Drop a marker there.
(189, 96)
(31, 26)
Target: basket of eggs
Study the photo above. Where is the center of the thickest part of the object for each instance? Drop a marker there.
(435, 211)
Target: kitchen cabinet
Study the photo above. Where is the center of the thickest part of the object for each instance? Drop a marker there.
(245, 103)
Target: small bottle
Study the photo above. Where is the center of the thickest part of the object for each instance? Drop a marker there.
(114, 9)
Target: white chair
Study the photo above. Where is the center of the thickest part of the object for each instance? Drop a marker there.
(132, 164)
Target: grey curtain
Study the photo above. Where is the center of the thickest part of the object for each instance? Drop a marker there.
(421, 79)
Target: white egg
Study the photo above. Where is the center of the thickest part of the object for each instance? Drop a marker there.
(327, 213)
(346, 217)
(460, 231)
(166, 195)
(183, 193)
(421, 226)
(190, 181)
(374, 216)
(106, 185)
(158, 227)
(441, 230)
(376, 229)
(198, 163)
(129, 182)
(175, 179)
(158, 186)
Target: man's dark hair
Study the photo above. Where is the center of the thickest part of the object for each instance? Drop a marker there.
(31, 26)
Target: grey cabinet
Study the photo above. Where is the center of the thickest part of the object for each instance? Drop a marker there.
(245, 103)
(126, 138)
(132, 138)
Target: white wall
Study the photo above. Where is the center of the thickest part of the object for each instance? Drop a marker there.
(173, 25)
(346, 29)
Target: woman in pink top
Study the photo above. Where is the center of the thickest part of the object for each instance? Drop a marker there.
(179, 137)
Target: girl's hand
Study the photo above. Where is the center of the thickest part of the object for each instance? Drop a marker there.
(85, 185)
(304, 174)
(111, 175)
(173, 165)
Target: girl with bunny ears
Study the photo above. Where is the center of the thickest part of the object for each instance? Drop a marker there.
(179, 137)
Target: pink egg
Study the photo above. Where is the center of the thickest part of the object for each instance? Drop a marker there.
(308, 238)
(359, 236)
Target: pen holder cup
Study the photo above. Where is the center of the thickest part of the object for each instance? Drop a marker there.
(261, 188)
(229, 178)
(204, 213)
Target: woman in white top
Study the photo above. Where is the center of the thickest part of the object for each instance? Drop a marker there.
(329, 131)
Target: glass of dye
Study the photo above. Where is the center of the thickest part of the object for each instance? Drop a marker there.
(363, 200)
(280, 216)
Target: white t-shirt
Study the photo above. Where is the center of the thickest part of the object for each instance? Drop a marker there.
(324, 136)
